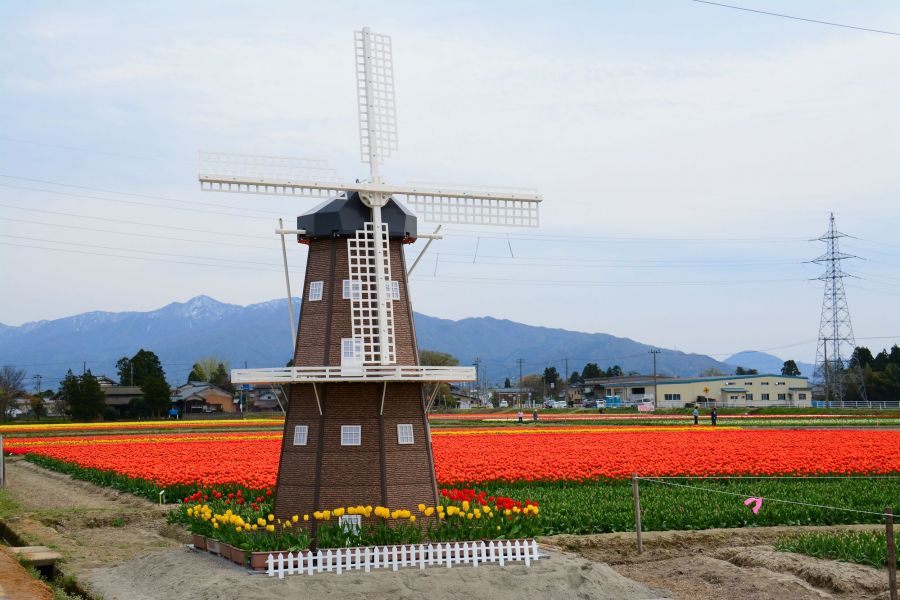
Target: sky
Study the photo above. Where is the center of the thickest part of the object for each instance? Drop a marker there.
(687, 154)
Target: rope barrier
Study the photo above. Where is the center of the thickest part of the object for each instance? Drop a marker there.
(766, 499)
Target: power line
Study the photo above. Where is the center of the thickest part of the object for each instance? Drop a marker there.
(91, 151)
(213, 258)
(136, 195)
(142, 258)
(771, 14)
(580, 283)
(605, 239)
(133, 202)
(140, 224)
(133, 234)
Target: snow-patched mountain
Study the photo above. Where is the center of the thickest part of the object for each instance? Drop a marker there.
(182, 332)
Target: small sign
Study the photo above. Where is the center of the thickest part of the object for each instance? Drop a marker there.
(246, 387)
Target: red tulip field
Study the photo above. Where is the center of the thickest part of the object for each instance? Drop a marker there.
(579, 474)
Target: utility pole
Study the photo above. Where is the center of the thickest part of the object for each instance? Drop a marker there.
(520, 361)
(37, 383)
(654, 352)
(83, 368)
(477, 364)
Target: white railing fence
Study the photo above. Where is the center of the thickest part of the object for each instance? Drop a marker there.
(394, 557)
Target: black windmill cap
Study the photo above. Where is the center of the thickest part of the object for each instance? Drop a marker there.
(345, 215)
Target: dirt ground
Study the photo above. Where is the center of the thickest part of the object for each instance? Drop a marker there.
(729, 563)
(119, 546)
(17, 584)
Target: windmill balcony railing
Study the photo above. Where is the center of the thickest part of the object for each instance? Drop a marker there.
(367, 373)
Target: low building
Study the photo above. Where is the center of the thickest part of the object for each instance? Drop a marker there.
(195, 397)
(513, 396)
(749, 391)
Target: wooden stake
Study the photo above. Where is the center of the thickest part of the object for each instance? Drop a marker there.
(891, 552)
(2, 465)
(636, 496)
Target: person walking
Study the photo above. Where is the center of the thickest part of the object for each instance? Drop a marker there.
(534, 416)
(520, 415)
(696, 415)
(713, 416)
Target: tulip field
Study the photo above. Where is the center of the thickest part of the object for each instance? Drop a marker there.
(580, 474)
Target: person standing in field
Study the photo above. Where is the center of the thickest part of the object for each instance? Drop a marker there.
(713, 416)
(520, 415)
(534, 416)
(696, 415)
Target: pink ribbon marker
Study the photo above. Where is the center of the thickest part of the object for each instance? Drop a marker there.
(756, 502)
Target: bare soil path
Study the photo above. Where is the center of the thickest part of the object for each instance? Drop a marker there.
(90, 525)
(729, 563)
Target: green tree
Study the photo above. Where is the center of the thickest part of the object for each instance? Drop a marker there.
(507, 383)
(574, 378)
(743, 371)
(85, 399)
(861, 357)
(434, 358)
(551, 379)
(221, 378)
(591, 371)
(157, 395)
(142, 366)
(790, 368)
(614, 371)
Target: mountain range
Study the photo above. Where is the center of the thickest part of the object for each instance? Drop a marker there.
(258, 335)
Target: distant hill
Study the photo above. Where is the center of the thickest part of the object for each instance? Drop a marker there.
(258, 334)
(765, 363)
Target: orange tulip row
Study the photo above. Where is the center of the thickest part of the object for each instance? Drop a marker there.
(251, 460)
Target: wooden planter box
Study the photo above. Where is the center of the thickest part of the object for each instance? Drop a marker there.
(213, 546)
(237, 555)
(199, 541)
(258, 560)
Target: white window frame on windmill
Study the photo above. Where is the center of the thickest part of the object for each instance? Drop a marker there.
(352, 290)
(351, 356)
(405, 434)
(351, 435)
(350, 523)
(395, 290)
(301, 433)
(315, 290)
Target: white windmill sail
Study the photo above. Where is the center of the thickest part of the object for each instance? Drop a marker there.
(369, 248)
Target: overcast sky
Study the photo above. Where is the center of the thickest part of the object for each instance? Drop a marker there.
(686, 153)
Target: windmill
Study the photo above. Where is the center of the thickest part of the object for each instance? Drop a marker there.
(356, 429)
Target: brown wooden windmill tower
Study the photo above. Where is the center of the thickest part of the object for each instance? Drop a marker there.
(356, 430)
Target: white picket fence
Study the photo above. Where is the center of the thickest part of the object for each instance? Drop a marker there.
(394, 557)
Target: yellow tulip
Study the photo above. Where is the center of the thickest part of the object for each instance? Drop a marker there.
(295, 518)
(421, 508)
(271, 517)
(270, 528)
(412, 518)
(306, 517)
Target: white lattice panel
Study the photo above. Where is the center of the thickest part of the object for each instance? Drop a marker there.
(375, 96)
(225, 165)
(364, 305)
(454, 208)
